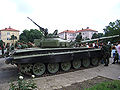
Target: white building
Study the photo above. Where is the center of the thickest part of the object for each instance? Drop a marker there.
(86, 33)
(68, 35)
(71, 34)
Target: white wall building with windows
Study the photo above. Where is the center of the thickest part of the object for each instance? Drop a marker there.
(71, 34)
(68, 35)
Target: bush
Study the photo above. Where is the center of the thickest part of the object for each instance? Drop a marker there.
(22, 84)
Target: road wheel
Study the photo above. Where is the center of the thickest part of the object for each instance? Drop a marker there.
(53, 67)
(65, 66)
(38, 69)
(76, 64)
(94, 61)
(86, 62)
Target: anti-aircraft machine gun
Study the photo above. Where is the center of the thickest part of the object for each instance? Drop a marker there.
(53, 55)
(44, 31)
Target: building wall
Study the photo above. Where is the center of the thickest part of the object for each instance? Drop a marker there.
(72, 36)
(91, 34)
(6, 35)
(86, 34)
(69, 36)
(62, 35)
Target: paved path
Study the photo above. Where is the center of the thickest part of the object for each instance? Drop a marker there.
(66, 79)
(58, 81)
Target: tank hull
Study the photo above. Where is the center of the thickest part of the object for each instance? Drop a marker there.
(55, 57)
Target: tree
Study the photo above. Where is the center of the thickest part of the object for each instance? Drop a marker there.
(100, 35)
(97, 35)
(30, 35)
(79, 37)
(94, 36)
(25, 36)
(113, 28)
(13, 37)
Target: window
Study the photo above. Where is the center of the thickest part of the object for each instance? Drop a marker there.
(71, 34)
(8, 33)
(8, 38)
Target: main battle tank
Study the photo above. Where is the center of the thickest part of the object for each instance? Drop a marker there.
(54, 54)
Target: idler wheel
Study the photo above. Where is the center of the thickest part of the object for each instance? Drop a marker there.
(94, 61)
(65, 66)
(53, 67)
(76, 64)
(86, 62)
(38, 69)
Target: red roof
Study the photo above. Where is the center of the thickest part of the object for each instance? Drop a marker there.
(9, 29)
(72, 31)
(86, 30)
(68, 31)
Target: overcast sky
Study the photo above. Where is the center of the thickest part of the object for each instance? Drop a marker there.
(59, 14)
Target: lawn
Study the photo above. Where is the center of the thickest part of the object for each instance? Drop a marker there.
(111, 85)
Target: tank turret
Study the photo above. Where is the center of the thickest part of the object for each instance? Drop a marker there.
(49, 40)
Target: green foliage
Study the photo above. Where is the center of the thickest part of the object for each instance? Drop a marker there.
(37, 42)
(29, 36)
(13, 37)
(113, 85)
(113, 28)
(100, 35)
(97, 35)
(87, 39)
(23, 84)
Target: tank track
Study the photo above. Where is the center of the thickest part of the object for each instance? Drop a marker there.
(27, 69)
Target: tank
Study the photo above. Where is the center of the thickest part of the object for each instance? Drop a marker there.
(54, 54)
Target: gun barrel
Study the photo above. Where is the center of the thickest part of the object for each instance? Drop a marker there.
(99, 38)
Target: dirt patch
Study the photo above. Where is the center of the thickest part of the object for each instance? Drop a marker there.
(86, 84)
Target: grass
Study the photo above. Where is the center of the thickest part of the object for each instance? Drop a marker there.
(111, 85)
